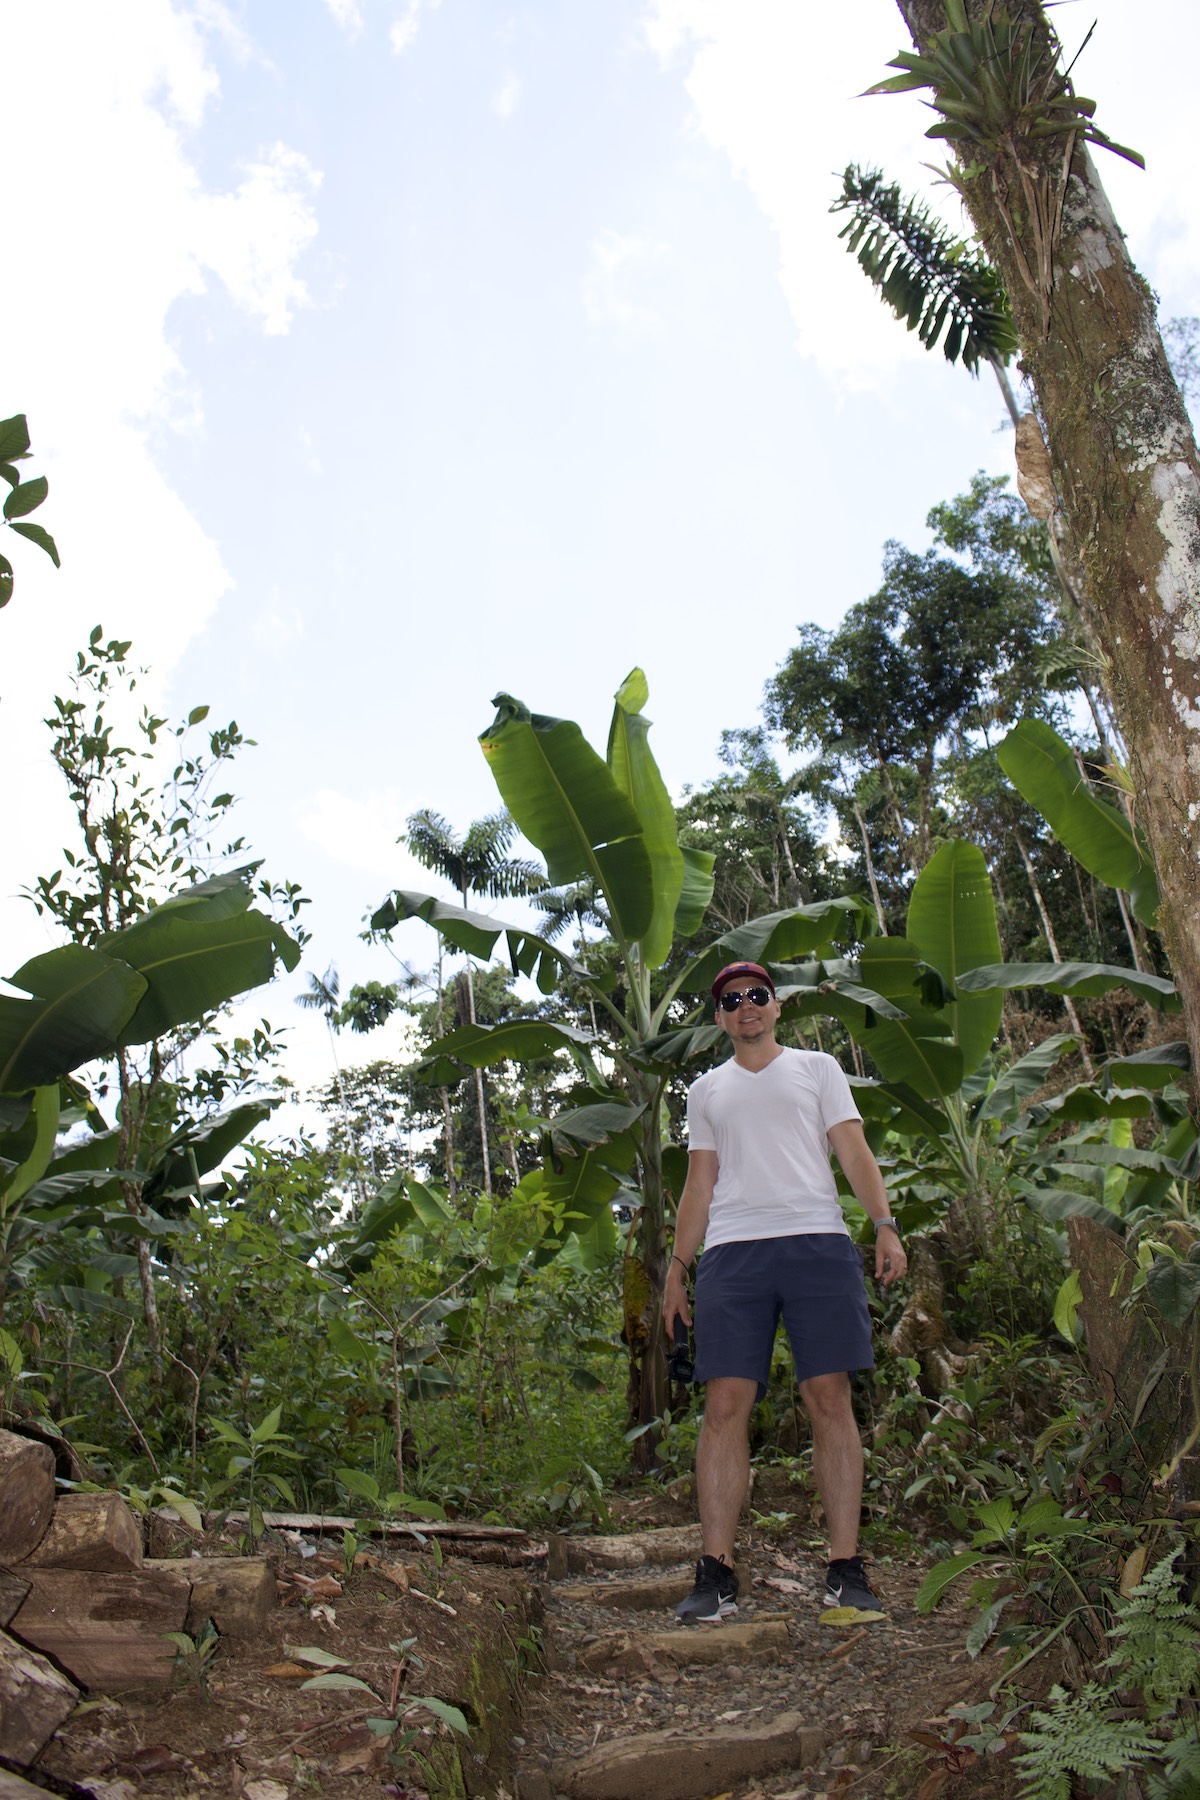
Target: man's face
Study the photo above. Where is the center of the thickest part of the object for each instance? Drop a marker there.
(748, 1024)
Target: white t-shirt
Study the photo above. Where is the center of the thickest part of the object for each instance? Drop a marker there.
(768, 1128)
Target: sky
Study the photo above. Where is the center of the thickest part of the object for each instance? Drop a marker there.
(386, 354)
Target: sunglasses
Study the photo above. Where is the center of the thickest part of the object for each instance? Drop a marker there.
(757, 996)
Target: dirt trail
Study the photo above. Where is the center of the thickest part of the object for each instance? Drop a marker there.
(770, 1704)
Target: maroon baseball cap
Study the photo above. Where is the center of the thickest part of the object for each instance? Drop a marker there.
(732, 970)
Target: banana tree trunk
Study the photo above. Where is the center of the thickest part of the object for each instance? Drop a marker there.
(1125, 467)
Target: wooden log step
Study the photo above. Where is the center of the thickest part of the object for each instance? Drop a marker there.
(644, 1652)
(26, 1495)
(35, 1698)
(674, 1765)
(316, 1522)
(105, 1630)
(13, 1589)
(648, 1593)
(638, 1550)
(15, 1787)
(237, 1593)
(91, 1531)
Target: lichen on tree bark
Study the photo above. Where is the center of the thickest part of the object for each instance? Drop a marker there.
(1125, 465)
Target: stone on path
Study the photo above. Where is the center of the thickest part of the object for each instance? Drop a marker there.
(675, 1765)
(648, 1651)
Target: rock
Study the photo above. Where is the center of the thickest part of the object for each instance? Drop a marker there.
(678, 1765)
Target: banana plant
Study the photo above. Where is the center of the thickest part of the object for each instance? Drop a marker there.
(179, 961)
(941, 1081)
(609, 820)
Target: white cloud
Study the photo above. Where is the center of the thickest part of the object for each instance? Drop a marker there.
(406, 27)
(107, 106)
(347, 15)
(773, 87)
(777, 87)
(253, 238)
(616, 261)
(359, 831)
(505, 99)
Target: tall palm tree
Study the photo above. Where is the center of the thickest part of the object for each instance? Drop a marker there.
(323, 996)
(476, 863)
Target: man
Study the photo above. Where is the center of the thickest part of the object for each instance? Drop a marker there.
(762, 1196)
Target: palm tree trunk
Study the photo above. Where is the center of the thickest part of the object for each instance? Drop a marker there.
(1052, 941)
(874, 885)
(479, 1096)
(447, 1112)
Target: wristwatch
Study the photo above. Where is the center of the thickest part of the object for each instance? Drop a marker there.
(880, 1223)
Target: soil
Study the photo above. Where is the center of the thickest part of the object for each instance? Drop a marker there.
(554, 1685)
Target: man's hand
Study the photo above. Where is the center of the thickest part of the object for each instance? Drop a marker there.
(675, 1299)
(891, 1259)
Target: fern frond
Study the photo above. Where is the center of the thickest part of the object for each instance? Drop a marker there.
(1158, 1641)
(1077, 1739)
(932, 281)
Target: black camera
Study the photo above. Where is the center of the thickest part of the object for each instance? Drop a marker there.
(680, 1366)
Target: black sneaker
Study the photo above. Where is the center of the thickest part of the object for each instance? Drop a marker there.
(714, 1594)
(846, 1584)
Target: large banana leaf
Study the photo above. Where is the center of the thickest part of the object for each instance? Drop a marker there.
(197, 1148)
(912, 1047)
(565, 800)
(1072, 978)
(196, 951)
(1152, 1068)
(952, 923)
(181, 960)
(585, 1127)
(26, 1173)
(780, 937)
(479, 1046)
(904, 1110)
(1025, 1077)
(1042, 767)
(637, 776)
(916, 1052)
(698, 866)
(896, 969)
(83, 999)
(477, 933)
(586, 1185)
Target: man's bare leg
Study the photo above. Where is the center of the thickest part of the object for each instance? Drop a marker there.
(723, 1461)
(837, 1458)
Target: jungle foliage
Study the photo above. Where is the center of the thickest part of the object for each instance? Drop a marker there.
(448, 1297)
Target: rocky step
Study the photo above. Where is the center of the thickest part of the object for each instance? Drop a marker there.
(638, 1550)
(697, 1646)
(642, 1593)
(680, 1764)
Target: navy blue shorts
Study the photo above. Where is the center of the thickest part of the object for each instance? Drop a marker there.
(813, 1282)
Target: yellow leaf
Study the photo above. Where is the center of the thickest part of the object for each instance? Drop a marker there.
(1133, 1569)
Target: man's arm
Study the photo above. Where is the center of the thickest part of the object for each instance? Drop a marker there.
(852, 1150)
(691, 1220)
